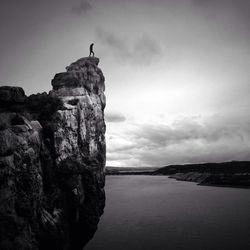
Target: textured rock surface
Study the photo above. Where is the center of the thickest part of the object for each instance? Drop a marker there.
(52, 159)
(11, 95)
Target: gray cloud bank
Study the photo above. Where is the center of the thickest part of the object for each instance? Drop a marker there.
(142, 51)
(185, 141)
(114, 117)
(82, 8)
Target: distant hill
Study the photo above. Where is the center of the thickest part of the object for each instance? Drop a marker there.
(234, 173)
(223, 167)
(129, 170)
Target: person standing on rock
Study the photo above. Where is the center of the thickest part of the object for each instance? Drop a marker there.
(91, 52)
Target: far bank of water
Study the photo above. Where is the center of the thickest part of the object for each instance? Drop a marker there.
(158, 213)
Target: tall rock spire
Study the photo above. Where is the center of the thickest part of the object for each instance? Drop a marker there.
(79, 136)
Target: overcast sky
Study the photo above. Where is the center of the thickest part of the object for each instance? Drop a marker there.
(177, 71)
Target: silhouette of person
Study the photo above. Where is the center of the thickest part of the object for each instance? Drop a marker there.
(91, 52)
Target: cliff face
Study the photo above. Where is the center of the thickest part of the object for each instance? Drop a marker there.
(52, 159)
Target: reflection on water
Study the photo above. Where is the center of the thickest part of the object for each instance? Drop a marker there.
(155, 212)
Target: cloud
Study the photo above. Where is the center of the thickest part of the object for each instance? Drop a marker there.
(189, 140)
(114, 117)
(188, 130)
(230, 12)
(204, 3)
(221, 3)
(142, 51)
(117, 45)
(82, 8)
(145, 50)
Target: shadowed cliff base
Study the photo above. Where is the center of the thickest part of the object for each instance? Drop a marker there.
(52, 159)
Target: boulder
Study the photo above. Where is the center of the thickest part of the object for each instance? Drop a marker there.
(11, 95)
(83, 74)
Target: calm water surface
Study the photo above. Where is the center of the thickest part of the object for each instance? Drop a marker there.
(158, 213)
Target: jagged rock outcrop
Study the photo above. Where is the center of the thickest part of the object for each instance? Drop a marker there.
(10, 95)
(52, 159)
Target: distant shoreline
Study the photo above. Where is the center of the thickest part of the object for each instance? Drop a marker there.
(225, 174)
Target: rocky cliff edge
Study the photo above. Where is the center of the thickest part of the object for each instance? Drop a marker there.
(52, 159)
